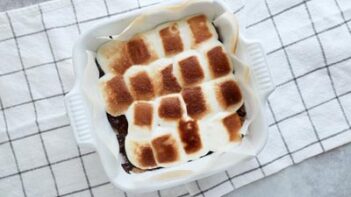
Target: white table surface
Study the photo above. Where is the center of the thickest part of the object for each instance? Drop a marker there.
(325, 175)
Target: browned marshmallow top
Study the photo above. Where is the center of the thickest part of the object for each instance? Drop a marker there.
(199, 28)
(117, 95)
(142, 87)
(166, 149)
(170, 108)
(143, 114)
(228, 93)
(171, 82)
(145, 156)
(138, 51)
(218, 62)
(191, 71)
(171, 40)
(195, 102)
(233, 124)
(168, 82)
(190, 136)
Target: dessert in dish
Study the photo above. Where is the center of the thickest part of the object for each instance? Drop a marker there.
(171, 94)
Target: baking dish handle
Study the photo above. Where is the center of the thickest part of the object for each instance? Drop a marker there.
(77, 113)
(260, 70)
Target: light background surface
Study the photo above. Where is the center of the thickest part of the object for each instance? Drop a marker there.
(327, 174)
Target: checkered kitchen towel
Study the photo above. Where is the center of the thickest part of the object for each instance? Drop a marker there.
(308, 48)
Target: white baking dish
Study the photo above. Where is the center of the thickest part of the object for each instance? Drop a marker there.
(90, 124)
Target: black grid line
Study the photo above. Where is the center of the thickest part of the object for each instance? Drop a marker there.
(239, 9)
(46, 165)
(310, 108)
(230, 180)
(51, 49)
(12, 150)
(100, 185)
(309, 36)
(35, 66)
(260, 166)
(280, 132)
(37, 32)
(232, 177)
(34, 100)
(198, 187)
(82, 190)
(276, 14)
(315, 70)
(117, 13)
(342, 15)
(276, 159)
(79, 31)
(22, 35)
(106, 7)
(272, 161)
(183, 195)
(76, 23)
(307, 145)
(78, 148)
(159, 193)
(34, 134)
(31, 96)
(84, 171)
(222, 182)
(326, 63)
(63, 92)
(75, 16)
(293, 74)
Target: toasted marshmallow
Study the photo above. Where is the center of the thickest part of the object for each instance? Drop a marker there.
(202, 30)
(165, 81)
(190, 68)
(116, 94)
(196, 103)
(140, 152)
(170, 37)
(141, 118)
(185, 34)
(170, 109)
(140, 50)
(167, 147)
(175, 84)
(217, 59)
(222, 130)
(154, 40)
(228, 93)
(140, 83)
(191, 138)
(210, 95)
(113, 57)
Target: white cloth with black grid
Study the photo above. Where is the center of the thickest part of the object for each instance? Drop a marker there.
(308, 49)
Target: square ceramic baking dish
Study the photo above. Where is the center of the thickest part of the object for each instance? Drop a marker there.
(90, 124)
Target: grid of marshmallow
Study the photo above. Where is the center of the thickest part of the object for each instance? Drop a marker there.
(175, 84)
